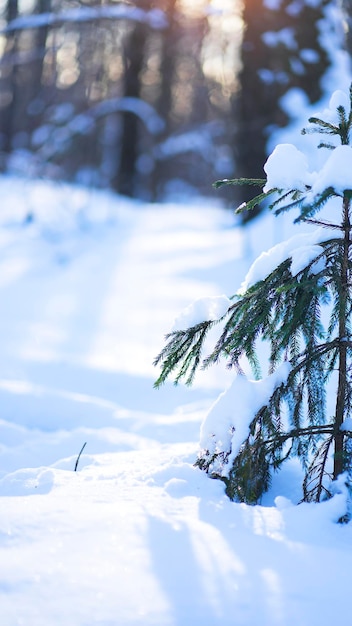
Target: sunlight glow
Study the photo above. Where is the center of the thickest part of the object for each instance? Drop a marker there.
(193, 7)
(221, 43)
(198, 8)
(221, 48)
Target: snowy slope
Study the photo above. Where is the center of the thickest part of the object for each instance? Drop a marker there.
(89, 284)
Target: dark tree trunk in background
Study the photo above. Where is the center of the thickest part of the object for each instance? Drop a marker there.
(274, 61)
(168, 53)
(134, 58)
(8, 82)
(36, 67)
(29, 102)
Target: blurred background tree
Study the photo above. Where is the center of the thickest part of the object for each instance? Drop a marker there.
(153, 99)
(282, 50)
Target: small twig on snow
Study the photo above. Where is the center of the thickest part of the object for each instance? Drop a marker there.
(79, 456)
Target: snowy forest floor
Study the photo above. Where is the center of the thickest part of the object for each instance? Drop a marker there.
(89, 285)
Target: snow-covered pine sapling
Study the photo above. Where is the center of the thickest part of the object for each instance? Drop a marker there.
(296, 300)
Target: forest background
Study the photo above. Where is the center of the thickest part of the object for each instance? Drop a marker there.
(153, 100)
(157, 99)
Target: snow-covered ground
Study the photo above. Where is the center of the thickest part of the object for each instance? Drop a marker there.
(89, 285)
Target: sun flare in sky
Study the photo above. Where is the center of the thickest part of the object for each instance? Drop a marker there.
(221, 45)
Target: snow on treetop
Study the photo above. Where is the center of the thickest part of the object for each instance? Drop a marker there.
(338, 98)
(287, 168)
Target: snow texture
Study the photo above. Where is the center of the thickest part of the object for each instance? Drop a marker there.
(287, 168)
(336, 172)
(226, 426)
(209, 308)
(137, 536)
(338, 99)
(302, 249)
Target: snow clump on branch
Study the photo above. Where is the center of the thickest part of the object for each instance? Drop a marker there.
(287, 168)
(208, 308)
(227, 423)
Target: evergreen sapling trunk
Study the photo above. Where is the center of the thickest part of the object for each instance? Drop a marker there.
(296, 299)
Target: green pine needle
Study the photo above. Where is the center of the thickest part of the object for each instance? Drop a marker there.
(256, 182)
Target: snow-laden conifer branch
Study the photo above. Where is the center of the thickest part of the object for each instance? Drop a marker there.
(275, 308)
(321, 127)
(297, 300)
(313, 484)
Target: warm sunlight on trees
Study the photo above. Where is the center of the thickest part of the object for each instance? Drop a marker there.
(150, 98)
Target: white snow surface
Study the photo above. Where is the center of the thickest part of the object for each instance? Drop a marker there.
(137, 536)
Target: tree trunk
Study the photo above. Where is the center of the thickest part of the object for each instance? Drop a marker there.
(272, 66)
(126, 179)
(9, 82)
(342, 379)
(36, 68)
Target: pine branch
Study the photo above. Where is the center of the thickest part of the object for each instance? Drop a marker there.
(308, 210)
(323, 127)
(183, 347)
(313, 484)
(327, 429)
(251, 204)
(328, 146)
(296, 198)
(256, 182)
(322, 223)
(343, 125)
